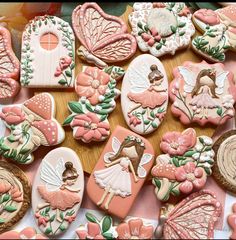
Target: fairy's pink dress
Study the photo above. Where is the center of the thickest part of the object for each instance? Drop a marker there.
(149, 98)
(204, 99)
(61, 199)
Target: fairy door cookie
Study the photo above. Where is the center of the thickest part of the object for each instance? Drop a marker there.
(31, 124)
(104, 38)
(144, 94)
(161, 28)
(120, 172)
(9, 67)
(202, 93)
(218, 32)
(15, 195)
(57, 191)
(47, 58)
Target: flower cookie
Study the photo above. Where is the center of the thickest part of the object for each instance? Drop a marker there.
(120, 172)
(15, 195)
(218, 32)
(144, 94)
(9, 67)
(202, 93)
(47, 58)
(192, 218)
(184, 167)
(161, 28)
(31, 124)
(97, 92)
(57, 191)
(104, 38)
(231, 219)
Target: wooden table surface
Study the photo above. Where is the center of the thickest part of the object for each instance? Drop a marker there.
(90, 153)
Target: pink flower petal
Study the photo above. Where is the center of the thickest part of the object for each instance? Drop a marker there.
(83, 79)
(93, 229)
(103, 77)
(123, 231)
(189, 167)
(181, 150)
(104, 125)
(28, 232)
(82, 234)
(199, 183)
(186, 187)
(146, 232)
(198, 172)
(85, 91)
(134, 226)
(97, 135)
(103, 131)
(77, 122)
(180, 174)
(94, 99)
(88, 136)
(102, 89)
(94, 118)
(80, 132)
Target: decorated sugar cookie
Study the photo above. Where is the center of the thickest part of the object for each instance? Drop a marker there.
(104, 38)
(202, 93)
(57, 191)
(185, 166)
(144, 94)
(97, 92)
(192, 218)
(47, 58)
(218, 32)
(15, 195)
(26, 233)
(161, 28)
(31, 124)
(9, 67)
(120, 172)
(232, 222)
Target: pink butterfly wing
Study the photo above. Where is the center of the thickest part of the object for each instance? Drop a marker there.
(194, 217)
(8, 88)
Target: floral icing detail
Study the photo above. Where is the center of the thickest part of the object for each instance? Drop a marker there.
(152, 35)
(202, 93)
(185, 166)
(218, 32)
(31, 124)
(97, 92)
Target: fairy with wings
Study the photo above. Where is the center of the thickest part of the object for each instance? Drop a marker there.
(205, 88)
(147, 92)
(59, 191)
(123, 166)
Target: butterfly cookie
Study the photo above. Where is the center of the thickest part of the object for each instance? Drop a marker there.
(31, 124)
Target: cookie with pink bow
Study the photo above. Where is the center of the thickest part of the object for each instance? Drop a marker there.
(185, 164)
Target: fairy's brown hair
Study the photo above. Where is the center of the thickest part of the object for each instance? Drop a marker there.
(70, 172)
(155, 74)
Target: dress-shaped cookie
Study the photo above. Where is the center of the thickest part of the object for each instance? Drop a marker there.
(120, 172)
(161, 28)
(202, 93)
(15, 194)
(47, 58)
(144, 94)
(57, 191)
(97, 92)
(9, 67)
(104, 38)
(218, 32)
(31, 124)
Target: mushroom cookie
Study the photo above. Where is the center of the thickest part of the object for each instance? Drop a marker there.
(192, 218)
(57, 191)
(15, 193)
(104, 38)
(202, 93)
(120, 172)
(231, 219)
(161, 28)
(48, 53)
(96, 89)
(218, 30)
(144, 94)
(31, 124)
(9, 67)
(185, 166)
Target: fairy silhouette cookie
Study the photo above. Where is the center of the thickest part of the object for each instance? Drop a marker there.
(161, 28)
(218, 30)
(31, 124)
(48, 53)
(202, 93)
(104, 38)
(231, 219)
(192, 218)
(144, 94)
(120, 172)
(9, 67)
(58, 191)
(96, 89)
(185, 166)
(15, 195)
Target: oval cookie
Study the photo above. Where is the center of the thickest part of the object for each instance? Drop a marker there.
(15, 194)
(144, 94)
(57, 191)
